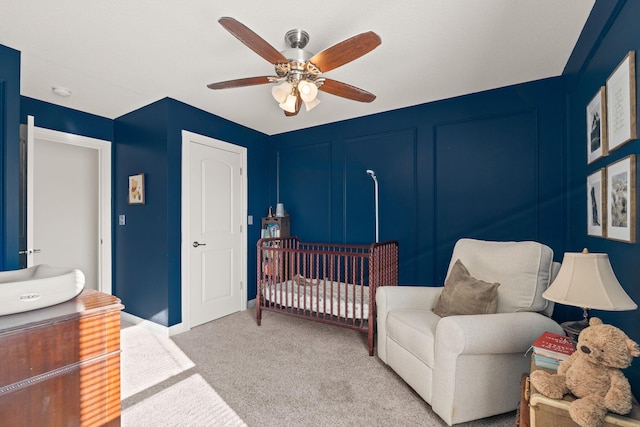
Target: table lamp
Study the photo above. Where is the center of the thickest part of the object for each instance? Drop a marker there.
(587, 281)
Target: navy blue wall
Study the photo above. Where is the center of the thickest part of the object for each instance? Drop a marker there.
(147, 249)
(141, 247)
(486, 165)
(613, 31)
(9, 158)
(63, 119)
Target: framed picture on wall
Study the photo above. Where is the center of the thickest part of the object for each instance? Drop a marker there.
(621, 103)
(597, 127)
(621, 200)
(597, 203)
(136, 189)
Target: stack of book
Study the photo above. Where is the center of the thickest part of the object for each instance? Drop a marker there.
(272, 230)
(550, 349)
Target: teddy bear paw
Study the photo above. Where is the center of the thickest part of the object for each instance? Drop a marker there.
(550, 385)
(588, 411)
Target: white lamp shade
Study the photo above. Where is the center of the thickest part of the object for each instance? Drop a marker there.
(290, 104)
(308, 91)
(281, 91)
(311, 104)
(587, 280)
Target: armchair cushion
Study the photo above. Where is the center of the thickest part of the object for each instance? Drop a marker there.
(523, 270)
(464, 294)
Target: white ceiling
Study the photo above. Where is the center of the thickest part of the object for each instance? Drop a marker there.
(119, 55)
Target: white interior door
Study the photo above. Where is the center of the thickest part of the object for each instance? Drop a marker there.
(214, 239)
(69, 204)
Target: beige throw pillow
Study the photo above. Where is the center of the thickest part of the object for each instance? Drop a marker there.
(464, 294)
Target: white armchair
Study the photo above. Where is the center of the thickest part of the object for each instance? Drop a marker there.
(469, 366)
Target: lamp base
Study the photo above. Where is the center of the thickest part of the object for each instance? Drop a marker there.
(574, 327)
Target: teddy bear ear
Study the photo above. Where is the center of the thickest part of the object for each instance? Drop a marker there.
(595, 321)
(633, 347)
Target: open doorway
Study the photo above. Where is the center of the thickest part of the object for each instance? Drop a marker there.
(66, 203)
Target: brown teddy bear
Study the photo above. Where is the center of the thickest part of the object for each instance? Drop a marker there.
(593, 374)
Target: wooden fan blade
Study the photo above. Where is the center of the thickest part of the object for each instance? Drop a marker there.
(252, 40)
(249, 81)
(344, 90)
(346, 51)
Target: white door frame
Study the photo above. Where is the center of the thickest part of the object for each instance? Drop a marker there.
(185, 249)
(104, 209)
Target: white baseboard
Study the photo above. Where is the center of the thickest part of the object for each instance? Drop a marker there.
(152, 326)
(163, 331)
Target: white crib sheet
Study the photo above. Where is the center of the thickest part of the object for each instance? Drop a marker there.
(320, 297)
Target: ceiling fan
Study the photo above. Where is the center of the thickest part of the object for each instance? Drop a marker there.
(298, 71)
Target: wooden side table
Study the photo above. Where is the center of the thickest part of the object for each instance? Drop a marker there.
(522, 413)
(283, 222)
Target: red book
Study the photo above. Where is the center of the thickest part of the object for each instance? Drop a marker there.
(553, 345)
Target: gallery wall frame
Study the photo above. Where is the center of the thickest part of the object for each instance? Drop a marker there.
(136, 189)
(597, 203)
(597, 145)
(621, 103)
(621, 200)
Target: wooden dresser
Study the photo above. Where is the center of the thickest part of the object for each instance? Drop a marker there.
(60, 365)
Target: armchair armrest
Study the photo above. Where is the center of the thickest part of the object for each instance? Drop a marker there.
(500, 333)
(485, 351)
(404, 298)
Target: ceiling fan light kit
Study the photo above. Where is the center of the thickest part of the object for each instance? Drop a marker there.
(290, 104)
(297, 70)
(281, 91)
(308, 91)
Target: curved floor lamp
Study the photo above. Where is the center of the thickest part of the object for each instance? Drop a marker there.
(372, 174)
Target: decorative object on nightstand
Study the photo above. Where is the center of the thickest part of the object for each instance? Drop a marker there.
(586, 280)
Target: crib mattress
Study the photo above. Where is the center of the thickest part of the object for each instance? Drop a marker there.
(320, 296)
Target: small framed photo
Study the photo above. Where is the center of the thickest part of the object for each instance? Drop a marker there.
(597, 127)
(597, 203)
(136, 189)
(621, 200)
(621, 103)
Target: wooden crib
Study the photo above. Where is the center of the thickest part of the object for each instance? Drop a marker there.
(328, 283)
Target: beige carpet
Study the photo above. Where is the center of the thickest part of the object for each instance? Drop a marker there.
(287, 372)
(160, 387)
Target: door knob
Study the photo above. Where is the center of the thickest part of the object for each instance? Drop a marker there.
(29, 252)
(196, 244)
